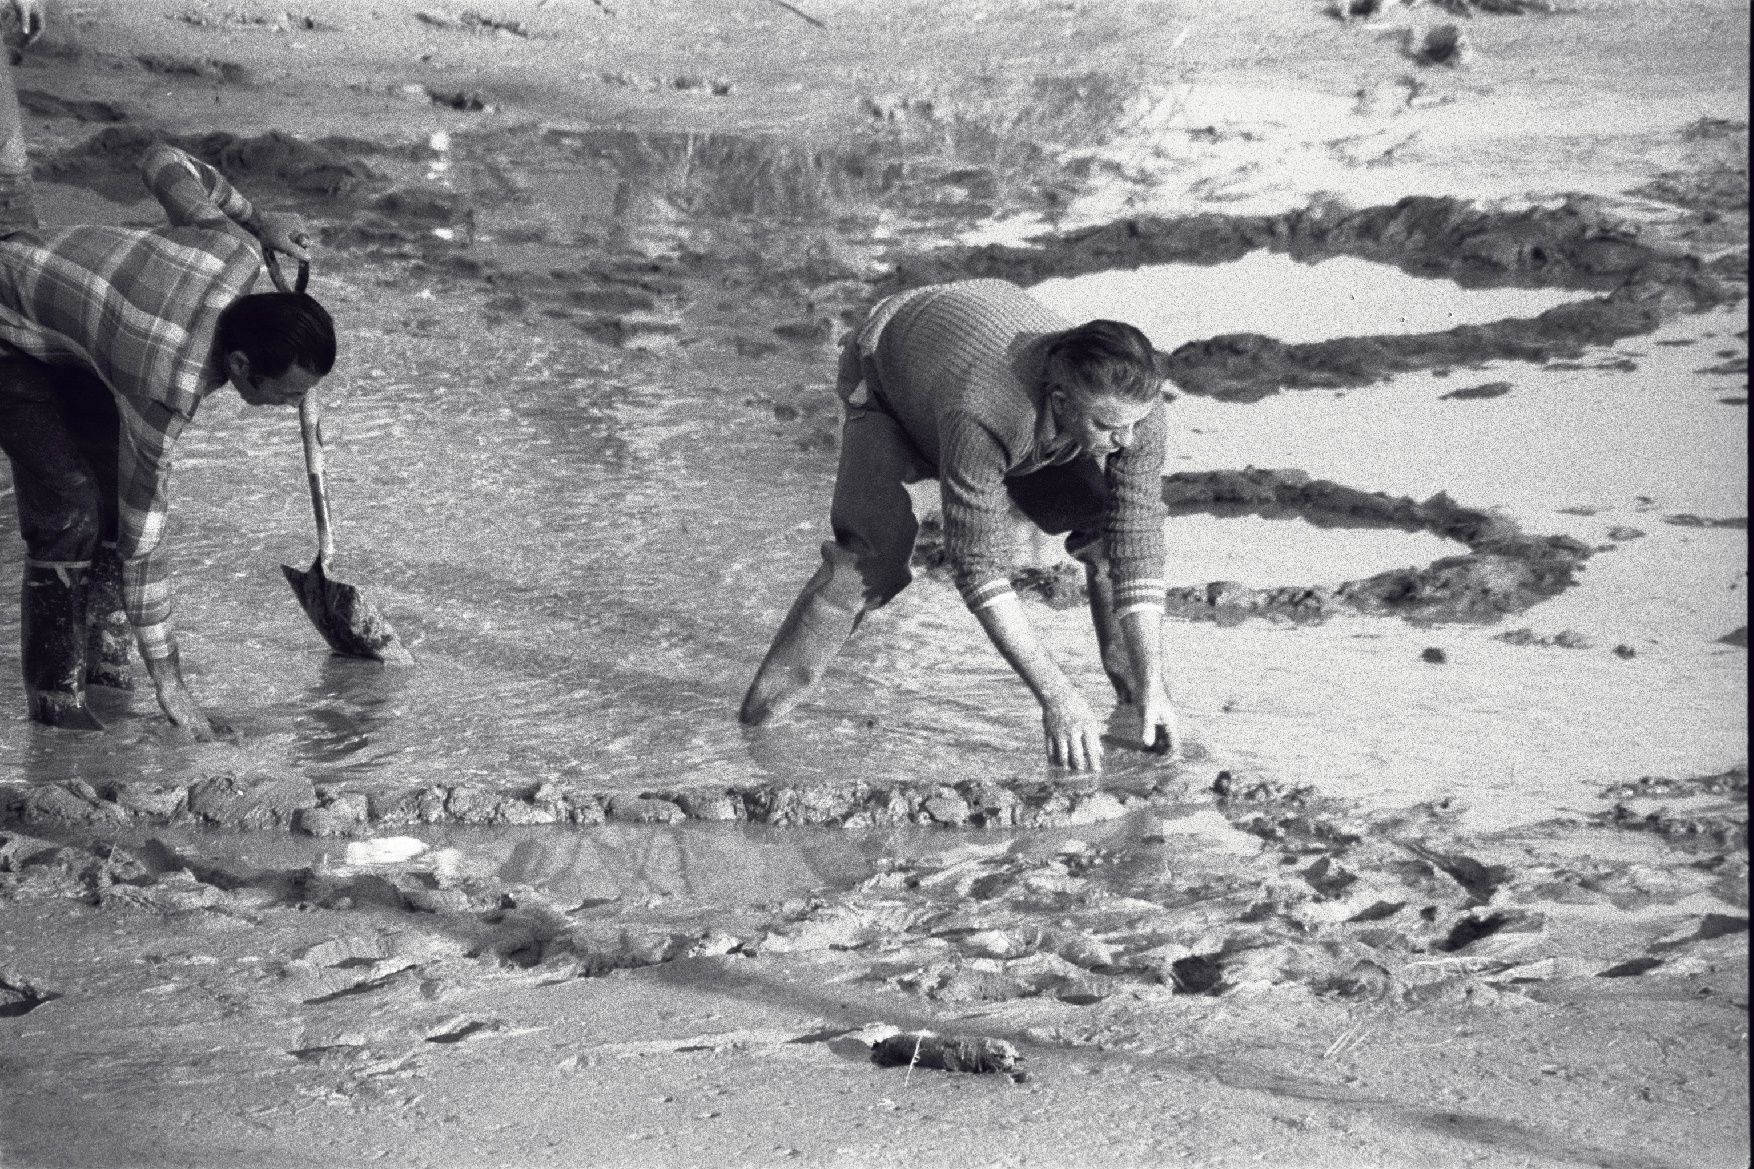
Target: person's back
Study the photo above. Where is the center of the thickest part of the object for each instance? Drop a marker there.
(974, 347)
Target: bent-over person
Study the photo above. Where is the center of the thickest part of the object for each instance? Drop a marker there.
(980, 386)
(110, 338)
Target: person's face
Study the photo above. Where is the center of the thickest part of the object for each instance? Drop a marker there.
(288, 389)
(1101, 425)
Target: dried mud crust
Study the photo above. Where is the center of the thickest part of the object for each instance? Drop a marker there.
(285, 802)
(1503, 571)
(1577, 245)
(1255, 886)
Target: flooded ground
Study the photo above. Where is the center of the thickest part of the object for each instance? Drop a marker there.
(1422, 891)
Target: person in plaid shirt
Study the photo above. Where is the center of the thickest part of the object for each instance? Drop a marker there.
(109, 340)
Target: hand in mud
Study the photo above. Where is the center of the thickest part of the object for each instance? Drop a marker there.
(1074, 734)
(29, 14)
(1159, 729)
(179, 706)
(282, 231)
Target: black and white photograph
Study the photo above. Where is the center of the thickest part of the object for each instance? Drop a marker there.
(874, 584)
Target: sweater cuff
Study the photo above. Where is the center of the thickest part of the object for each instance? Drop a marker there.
(978, 594)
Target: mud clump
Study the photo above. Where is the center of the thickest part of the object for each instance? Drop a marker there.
(1504, 570)
(292, 802)
(108, 161)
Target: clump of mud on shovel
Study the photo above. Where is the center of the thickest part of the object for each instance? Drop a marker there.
(349, 622)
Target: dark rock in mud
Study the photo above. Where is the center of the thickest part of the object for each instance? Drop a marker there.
(1433, 654)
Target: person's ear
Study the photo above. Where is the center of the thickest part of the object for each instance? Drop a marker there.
(237, 365)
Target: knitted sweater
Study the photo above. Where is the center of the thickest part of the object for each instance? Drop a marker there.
(959, 366)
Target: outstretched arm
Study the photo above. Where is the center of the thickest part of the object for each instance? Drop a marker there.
(194, 194)
(1072, 731)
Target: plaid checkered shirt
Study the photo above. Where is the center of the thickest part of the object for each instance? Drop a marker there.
(138, 308)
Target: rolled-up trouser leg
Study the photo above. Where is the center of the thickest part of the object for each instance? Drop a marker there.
(863, 567)
(52, 615)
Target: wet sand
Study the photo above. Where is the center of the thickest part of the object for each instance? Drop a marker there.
(1455, 870)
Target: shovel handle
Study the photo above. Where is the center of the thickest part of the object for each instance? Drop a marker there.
(271, 258)
(310, 429)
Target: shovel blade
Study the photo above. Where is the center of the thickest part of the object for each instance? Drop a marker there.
(348, 621)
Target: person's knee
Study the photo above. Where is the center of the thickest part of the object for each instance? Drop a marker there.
(66, 529)
(862, 576)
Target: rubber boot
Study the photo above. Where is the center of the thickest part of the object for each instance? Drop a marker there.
(812, 633)
(52, 616)
(1111, 642)
(109, 638)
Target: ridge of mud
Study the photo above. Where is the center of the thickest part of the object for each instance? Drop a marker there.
(1504, 570)
(1576, 245)
(1262, 886)
(295, 803)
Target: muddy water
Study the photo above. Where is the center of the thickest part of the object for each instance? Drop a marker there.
(588, 546)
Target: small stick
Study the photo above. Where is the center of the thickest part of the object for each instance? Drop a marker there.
(801, 14)
(907, 1075)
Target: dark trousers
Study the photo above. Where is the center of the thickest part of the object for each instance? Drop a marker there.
(866, 564)
(59, 429)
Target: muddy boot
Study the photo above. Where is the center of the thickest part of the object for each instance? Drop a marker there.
(52, 614)
(109, 637)
(809, 637)
(1111, 643)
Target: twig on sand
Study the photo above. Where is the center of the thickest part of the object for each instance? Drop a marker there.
(800, 13)
(1351, 1038)
(907, 1075)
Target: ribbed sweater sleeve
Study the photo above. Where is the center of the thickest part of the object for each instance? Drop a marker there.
(976, 537)
(1133, 525)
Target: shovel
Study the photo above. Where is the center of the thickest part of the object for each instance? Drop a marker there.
(348, 621)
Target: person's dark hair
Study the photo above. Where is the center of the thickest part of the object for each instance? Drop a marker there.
(275, 330)
(1104, 358)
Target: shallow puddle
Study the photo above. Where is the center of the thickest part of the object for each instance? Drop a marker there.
(1291, 300)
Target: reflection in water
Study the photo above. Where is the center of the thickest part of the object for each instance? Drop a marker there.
(344, 711)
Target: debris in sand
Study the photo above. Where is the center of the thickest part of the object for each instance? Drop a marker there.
(1445, 44)
(1736, 636)
(1434, 655)
(474, 21)
(1356, 9)
(946, 1053)
(1564, 639)
(1498, 7)
(1485, 390)
(287, 21)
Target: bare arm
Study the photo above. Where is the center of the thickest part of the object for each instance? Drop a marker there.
(1071, 728)
(1143, 629)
